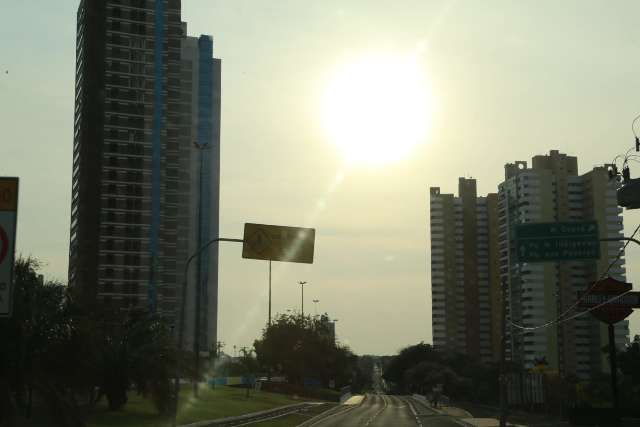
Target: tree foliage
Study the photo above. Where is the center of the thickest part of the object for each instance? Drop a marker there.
(67, 357)
(419, 368)
(629, 363)
(304, 347)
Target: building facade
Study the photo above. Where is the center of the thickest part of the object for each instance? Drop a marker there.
(134, 159)
(464, 272)
(200, 182)
(539, 293)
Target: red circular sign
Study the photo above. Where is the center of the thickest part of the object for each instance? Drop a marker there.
(4, 244)
(607, 289)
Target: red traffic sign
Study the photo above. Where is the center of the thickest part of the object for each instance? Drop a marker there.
(601, 294)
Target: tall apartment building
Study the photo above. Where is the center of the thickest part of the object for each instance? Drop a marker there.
(464, 272)
(134, 160)
(549, 191)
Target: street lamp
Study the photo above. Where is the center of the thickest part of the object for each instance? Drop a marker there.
(315, 305)
(176, 381)
(302, 289)
(199, 279)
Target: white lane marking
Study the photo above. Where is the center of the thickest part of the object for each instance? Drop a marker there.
(413, 411)
(437, 413)
(386, 403)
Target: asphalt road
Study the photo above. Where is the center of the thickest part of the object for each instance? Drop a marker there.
(379, 410)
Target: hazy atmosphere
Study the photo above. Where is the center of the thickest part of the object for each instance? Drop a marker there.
(500, 82)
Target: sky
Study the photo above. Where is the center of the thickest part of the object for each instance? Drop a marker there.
(506, 80)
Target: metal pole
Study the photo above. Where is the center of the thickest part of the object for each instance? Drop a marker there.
(176, 382)
(269, 292)
(302, 299)
(614, 366)
(198, 288)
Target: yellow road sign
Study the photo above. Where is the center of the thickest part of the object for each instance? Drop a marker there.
(278, 243)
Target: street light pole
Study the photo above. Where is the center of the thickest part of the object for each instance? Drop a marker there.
(176, 383)
(198, 291)
(269, 293)
(315, 305)
(302, 288)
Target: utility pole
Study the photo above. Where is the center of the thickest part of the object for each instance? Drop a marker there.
(302, 305)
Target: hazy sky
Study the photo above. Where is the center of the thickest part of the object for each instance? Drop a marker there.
(508, 80)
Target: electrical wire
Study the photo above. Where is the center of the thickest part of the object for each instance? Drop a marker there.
(615, 160)
(626, 155)
(560, 319)
(634, 159)
(602, 304)
(525, 330)
(633, 123)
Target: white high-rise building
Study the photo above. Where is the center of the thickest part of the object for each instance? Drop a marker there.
(550, 191)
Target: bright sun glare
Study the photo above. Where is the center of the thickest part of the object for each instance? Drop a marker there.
(377, 109)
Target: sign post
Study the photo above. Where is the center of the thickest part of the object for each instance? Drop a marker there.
(265, 242)
(278, 243)
(8, 219)
(557, 241)
(610, 301)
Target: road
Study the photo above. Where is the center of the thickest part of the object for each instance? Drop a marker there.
(378, 410)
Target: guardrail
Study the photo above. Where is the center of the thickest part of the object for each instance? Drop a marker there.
(254, 416)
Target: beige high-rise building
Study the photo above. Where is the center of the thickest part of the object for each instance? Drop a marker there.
(550, 191)
(464, 272)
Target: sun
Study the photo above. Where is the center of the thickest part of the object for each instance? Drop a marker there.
(377, 108)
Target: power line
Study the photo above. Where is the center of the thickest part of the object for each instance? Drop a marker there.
(582, 313)
(633, 122)
(560, 319)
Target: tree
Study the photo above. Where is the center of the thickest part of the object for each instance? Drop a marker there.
(407, 358)
(629, 363)
(419, 368)
(39, 353)
(70, 356)
(363, 378)
(249, 366)
(137, 351)
(301, 347)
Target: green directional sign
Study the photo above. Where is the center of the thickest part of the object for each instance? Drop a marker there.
(557, 241)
